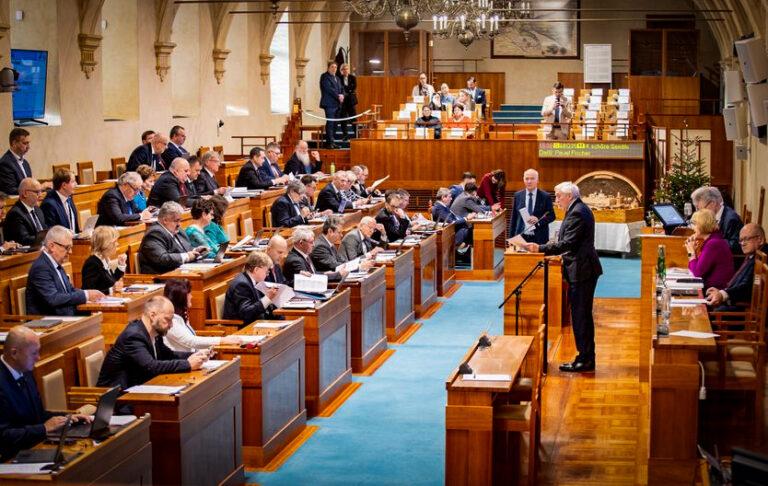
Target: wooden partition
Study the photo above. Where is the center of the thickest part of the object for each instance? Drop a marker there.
(668, 95)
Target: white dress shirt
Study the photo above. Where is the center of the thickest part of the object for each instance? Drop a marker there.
(181, 337)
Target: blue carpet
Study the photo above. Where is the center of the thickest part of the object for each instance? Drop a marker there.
(392, 430)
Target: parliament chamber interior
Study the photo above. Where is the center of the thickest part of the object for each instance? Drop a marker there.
(412, 242)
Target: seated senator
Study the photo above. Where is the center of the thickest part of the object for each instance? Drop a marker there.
(428, 121)
(441, 212)
(117, 207)
(182, 336)
(303, 161)
(215, 229)
(459, 120)
(738, 290)
(277, 250)
(359, 243)
(392, 217)
(97, 268)
(139, 353)
(709, 256)
(324, 255)
(331, 198)
(164, 248)
(25, 219)
(148, 177)
(58, 206)
(728, 221)
(173, 185)
(468, 202)
(299, 258)
(202, 216)
(287, 211)
(243, 301)
(23, 420)
(49, 291)
(252, 175)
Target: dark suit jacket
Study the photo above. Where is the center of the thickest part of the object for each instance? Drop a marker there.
(243, 302)
(159, 252)
(443, 214)
(353, 245)
(740, 287)
(114, 210)
(479, 98)
(296, 167)
(54, 212)
(330, 89)
(44, 293)
(466, 203)
(19, 226)
(295, 263)
(10, 173)
(329, 198)
(543, 206)
(251, 177)
(21, 418)
(394, 231)
(172, 152)
(576, 244)
(266, 171)
(95, 276)
(132, 361)
(350, 90)
(167, 188)
(360, 190)
(275, 275)
(730, 226)
(284, 213)
(324, 256)
(205, 185)
(142, 155)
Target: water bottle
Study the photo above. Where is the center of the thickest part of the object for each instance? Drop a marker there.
(662, 329)
(661, 266)
(333, 168)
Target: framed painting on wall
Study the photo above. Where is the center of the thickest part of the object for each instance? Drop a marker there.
(547, 35)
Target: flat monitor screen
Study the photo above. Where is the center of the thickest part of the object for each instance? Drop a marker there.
(668, 214)
(29, 97)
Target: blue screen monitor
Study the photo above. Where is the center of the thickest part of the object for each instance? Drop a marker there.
(29, 97)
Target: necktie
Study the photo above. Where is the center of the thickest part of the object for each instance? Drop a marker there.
(64, 278)
(25, 392)
(178, 241)
(296, 207)
(182, 188)
(395, 222)
(530, 203)
(309, 263)
(274, 171)
(740, 271)
(557, 114)
(156, 161)
(38, 226)
(23, 170)
(70, 214)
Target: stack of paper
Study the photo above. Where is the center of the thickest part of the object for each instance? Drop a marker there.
(198, 267)
(121, 420)
(248, 339)
(300, 304)
(31, 468)
(316, 283)
(284, 292)
(155, 389)
(693, 334)
(687, 302)
(271, 325)
(214, 364)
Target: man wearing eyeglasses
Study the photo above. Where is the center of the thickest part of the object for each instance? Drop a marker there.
(164, 248)
(270, 169)
(739, 288)
(49, 291)
(25, 218)
(116, 206)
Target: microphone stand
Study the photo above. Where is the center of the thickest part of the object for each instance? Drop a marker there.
(519, 290)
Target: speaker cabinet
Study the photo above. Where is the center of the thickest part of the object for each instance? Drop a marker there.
(757, 93)
(754, 63)
(734, 92)
(735, 119)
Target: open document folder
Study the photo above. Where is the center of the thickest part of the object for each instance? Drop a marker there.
(284, 292)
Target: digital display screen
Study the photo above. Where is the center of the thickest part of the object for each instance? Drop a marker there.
(668, 214)
(29, 97)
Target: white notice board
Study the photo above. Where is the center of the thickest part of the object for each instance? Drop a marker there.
(597, 63)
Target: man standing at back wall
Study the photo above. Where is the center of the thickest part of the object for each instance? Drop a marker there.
(13, 166)
(331, 98)
(537, 204)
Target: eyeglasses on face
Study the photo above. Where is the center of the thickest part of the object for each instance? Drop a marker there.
(747, 238)
(66, 247)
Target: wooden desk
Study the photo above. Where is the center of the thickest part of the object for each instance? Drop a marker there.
(424, 275)
(237, 213)
(676, 256)
(202, 281)
(674, 398)
(197, 434)
(117, 316)
(128, 242)
(487, 260)
(327, 330)
(469, 411)
(446, 259)
(87, 196)
(400, 311)
(228, 171)
(124, 458)
(261, 206)
(13, 266)
(272, 374)
(516, 267)
(368, 305)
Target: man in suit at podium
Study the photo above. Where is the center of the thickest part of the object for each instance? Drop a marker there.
(538, 206)
(23, 420)
(581, 268)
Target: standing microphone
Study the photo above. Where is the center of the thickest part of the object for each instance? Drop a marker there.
(400, 247)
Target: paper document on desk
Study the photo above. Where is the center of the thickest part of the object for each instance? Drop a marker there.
(486, 377)
(31, 468)
(155, 389)
(351, 265)
(316, 283)
(271, 325)
(687, 302)
(198, 267)
(678, 272)
(377, 183)
(384, 257)
(693, 334)
(214, 364)
(284, 292)
(251, 339)
(242, 242)
(300, 304)
(143, 287)
(113, 301)
(121, 420)
(517, 240)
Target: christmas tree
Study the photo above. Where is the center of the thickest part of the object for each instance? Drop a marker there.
(688, 173)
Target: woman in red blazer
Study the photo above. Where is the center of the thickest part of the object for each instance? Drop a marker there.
(492, 187)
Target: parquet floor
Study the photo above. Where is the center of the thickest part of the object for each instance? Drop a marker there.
(591, 422)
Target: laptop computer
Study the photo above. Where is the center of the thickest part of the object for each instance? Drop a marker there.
(99, 428)
(87, 231)
(219, 257)
(56, 455)
(36, 244)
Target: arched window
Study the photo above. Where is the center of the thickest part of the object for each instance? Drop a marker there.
(279, 70)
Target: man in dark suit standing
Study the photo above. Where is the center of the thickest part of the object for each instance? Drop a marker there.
(174, 149)
(25, 219)
(581, 269)
(299, 259)
(302, 161)
(709, 197)
(287, 210)
(206, 184)
(150, 154)
(252, 176)
(173, 185)
(139, 353)
(349, 87)
(331, 99)
(538, 206)
(13, 166)
(277, 250)
(477, 94)
(739, 288)
(58, 206)
(243, 301)
(23, 420)
(116, 206)
(164, 247)
(49, 291)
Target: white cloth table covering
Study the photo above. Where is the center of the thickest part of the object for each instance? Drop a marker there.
(609, 236)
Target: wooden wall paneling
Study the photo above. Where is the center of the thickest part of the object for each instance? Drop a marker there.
(571, 80)
(645, 93)
(680, 95)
